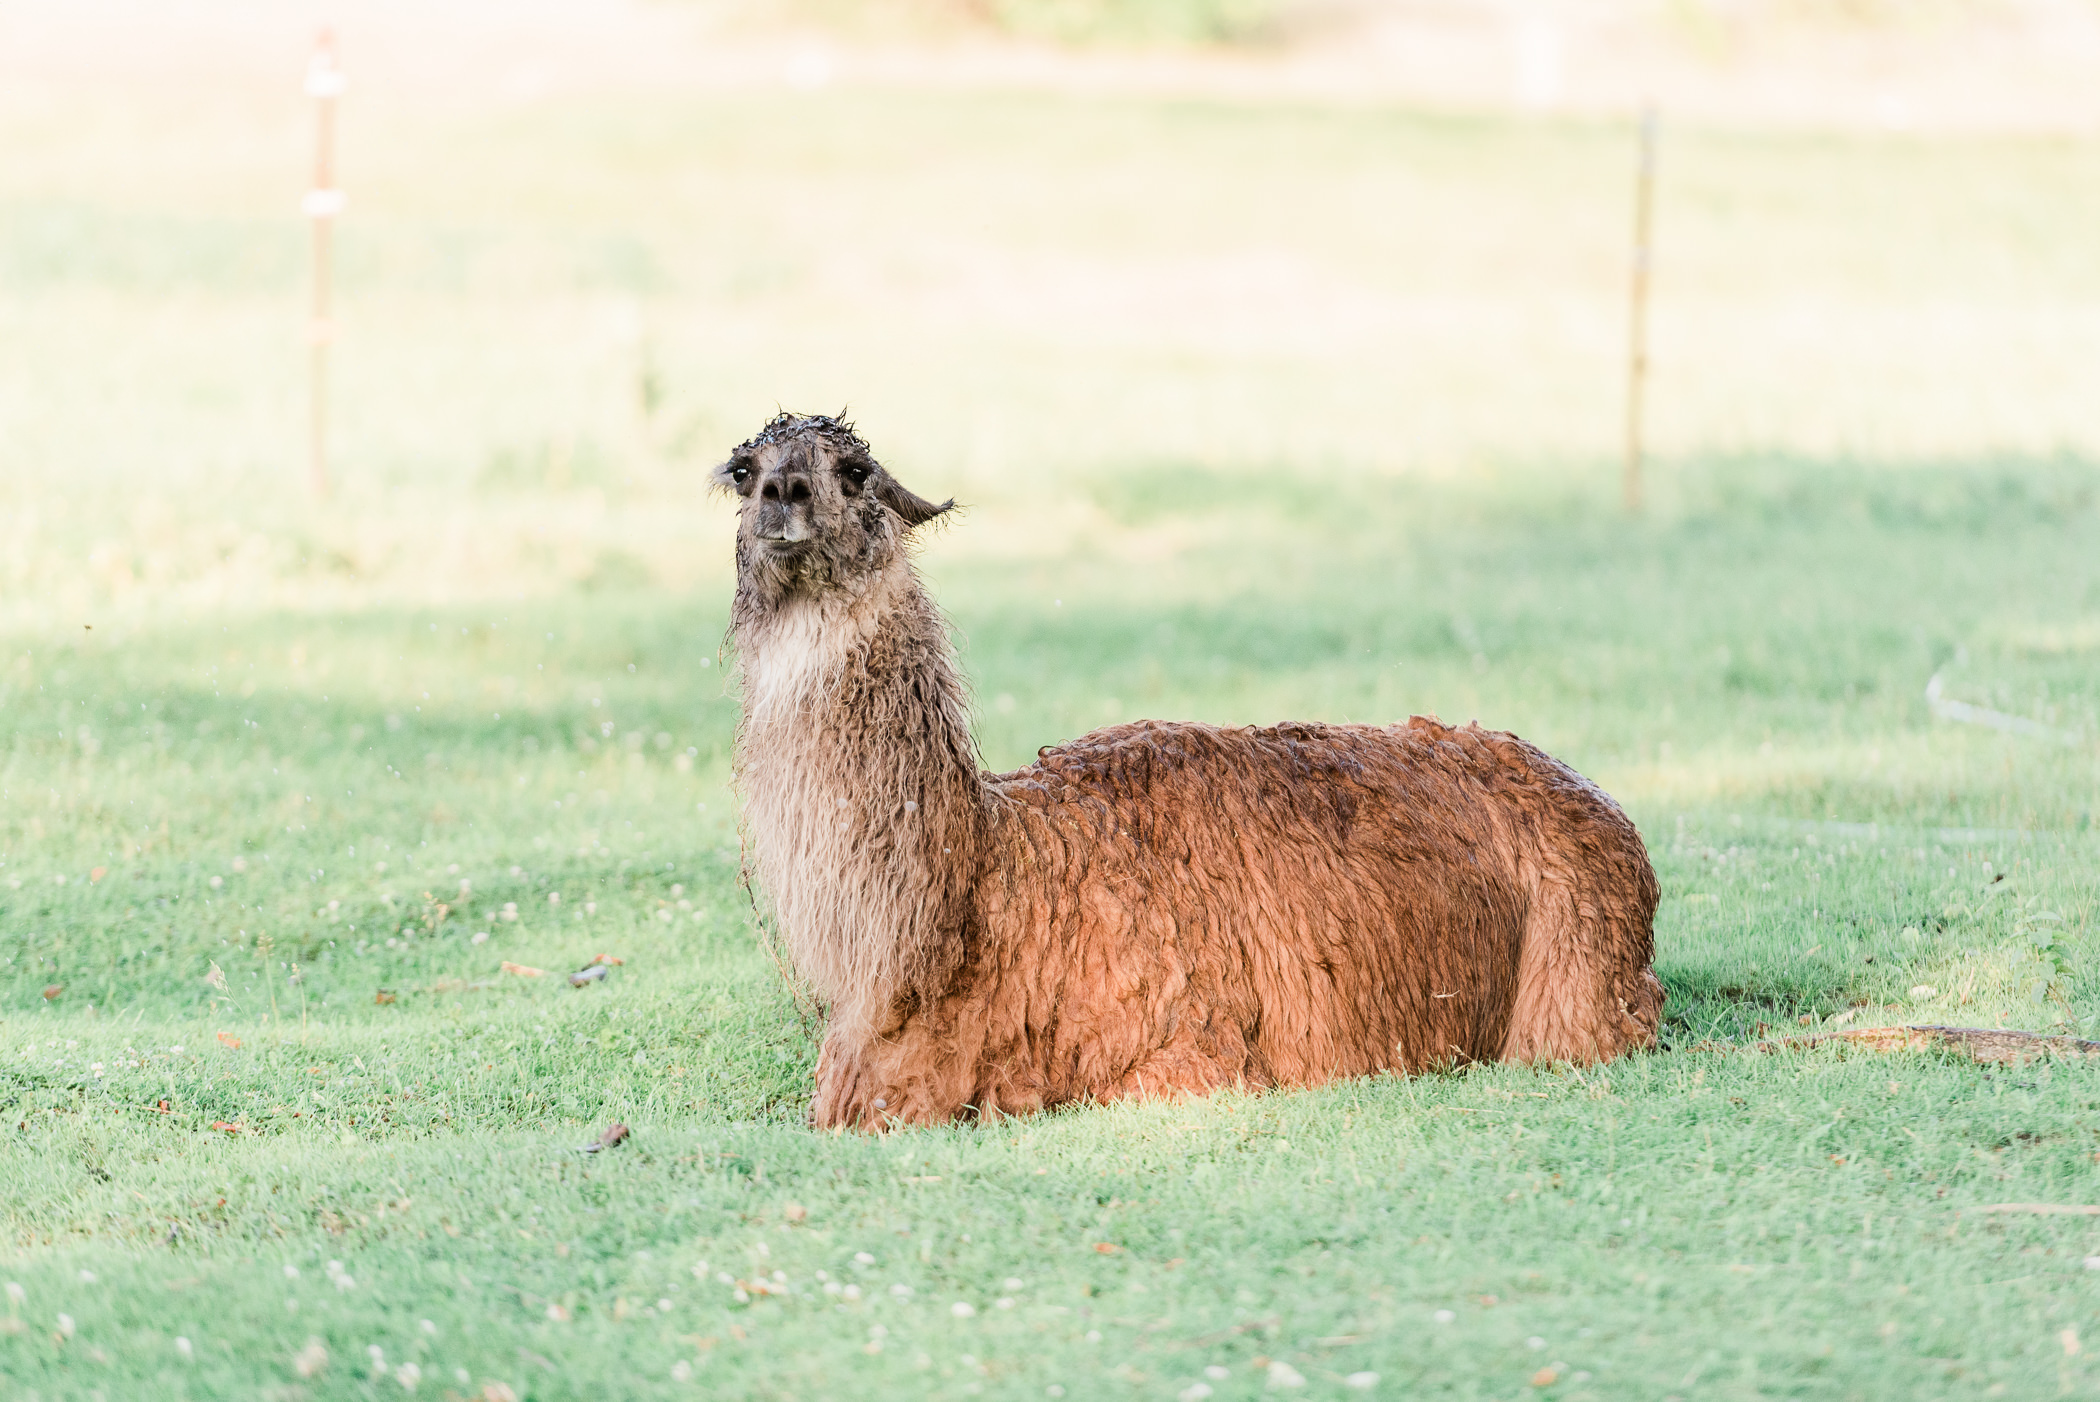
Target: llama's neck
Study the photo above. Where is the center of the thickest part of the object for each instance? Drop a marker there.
(863, 806)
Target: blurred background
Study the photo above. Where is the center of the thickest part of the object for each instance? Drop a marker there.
(1276, 347)
(1031, 244)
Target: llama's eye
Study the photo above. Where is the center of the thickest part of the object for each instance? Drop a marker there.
(856, 474)
(738, 474)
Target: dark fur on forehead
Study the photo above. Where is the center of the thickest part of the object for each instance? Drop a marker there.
(784, 425)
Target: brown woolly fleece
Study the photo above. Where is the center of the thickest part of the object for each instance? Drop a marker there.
(1153, 909)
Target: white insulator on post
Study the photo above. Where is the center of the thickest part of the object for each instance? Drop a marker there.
(324, 80)
(322, 204)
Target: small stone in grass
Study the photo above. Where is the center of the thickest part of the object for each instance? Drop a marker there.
(1443, 1316)
(796, 1212)
(962, 1309)
(1194, 1392)
(1282, 1374)
(1217, 1373)
(2092, 1263)
(309, 1361)
(1362, 1382)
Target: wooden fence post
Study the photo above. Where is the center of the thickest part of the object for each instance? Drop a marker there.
(1637, 347)
(324, 84)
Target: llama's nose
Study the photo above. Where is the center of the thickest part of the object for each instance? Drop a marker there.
(784, 501)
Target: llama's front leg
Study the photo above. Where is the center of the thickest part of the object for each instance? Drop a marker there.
(839, 1101)
(1176, 1071)
(874, 1083)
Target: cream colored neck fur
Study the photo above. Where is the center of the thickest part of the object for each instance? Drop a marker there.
(853, 784)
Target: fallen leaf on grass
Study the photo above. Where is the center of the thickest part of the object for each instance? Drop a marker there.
(383, 996)
(98, 873)
(1107, 1248)
(227, 1039)
(1544, 1377)
(523, 970)
(228, 1128)
(615, 1135)
(52, 990)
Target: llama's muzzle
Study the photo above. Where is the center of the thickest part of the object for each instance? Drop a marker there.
(783, 523)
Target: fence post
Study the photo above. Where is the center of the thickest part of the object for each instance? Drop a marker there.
(1637, 346)
(324, 84)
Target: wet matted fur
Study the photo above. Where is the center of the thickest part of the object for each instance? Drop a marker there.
(1152, 909)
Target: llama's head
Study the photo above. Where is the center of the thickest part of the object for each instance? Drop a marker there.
(816, 509)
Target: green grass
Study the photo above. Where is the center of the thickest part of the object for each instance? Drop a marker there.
(1713, 1218)
(1261, 411)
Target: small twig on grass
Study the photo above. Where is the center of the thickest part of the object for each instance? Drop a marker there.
(1265, 1322)
(1991, 1045)
(1967, 714)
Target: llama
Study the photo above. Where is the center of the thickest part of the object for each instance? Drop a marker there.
(1153, 909)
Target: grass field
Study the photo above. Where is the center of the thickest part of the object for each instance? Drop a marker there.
(1262, 411)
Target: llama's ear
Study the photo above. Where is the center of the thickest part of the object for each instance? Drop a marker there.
(915, 510)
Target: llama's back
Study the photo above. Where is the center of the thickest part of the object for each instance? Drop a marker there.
(1318, 901)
